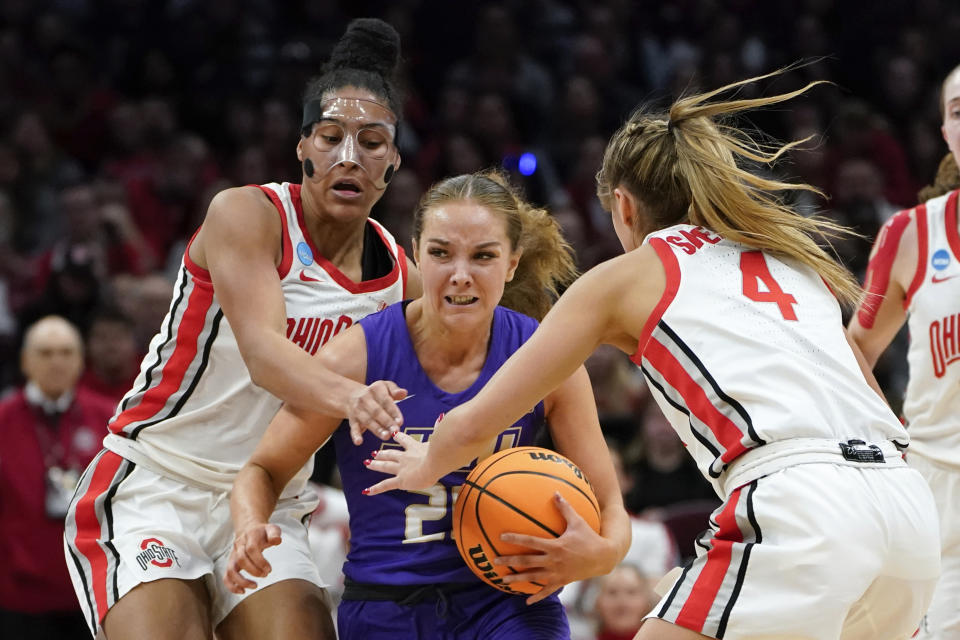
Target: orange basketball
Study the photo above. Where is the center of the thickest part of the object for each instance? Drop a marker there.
(512, 492)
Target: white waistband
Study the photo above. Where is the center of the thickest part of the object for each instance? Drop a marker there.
(774, 456)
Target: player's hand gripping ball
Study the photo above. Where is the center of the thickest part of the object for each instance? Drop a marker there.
(512, 492)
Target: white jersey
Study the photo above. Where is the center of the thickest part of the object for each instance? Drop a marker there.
(194, 414)
(746, 349)
(932, 403)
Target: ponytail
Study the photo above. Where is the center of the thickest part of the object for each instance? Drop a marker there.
(683, 167)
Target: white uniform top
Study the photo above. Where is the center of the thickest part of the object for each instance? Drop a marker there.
(746, 349)
(194, 414)
(932, 403)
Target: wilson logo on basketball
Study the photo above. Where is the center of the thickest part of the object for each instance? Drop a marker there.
(541, 455)
(483, 568)
(156, 553)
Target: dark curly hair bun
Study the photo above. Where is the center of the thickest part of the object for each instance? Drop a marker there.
(369, 44)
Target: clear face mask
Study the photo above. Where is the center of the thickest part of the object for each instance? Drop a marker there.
(351, 132)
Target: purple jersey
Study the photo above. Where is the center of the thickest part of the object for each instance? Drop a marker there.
(404, 537)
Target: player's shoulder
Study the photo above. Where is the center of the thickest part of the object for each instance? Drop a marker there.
(240, 200)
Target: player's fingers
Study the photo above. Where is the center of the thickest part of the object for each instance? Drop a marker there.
(273, 534)
(524, 540)
(521, 561)
(386, 455)
(396, 392)
(404, 440)
(566, 509)
(383, 466)
(235, 581)
(534, 575)
(252, 561)
(383, 486)
(356, 432)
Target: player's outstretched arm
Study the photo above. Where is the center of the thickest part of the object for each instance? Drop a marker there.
(239, 243)
(609, 304)
(891, 270)
(580, 552)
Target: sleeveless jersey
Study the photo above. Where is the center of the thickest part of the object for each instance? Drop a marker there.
(194, 414)
(404, 537)
(932, 403)
(745, 349)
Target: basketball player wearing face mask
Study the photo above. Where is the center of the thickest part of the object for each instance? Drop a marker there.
(487, 258)
(272, 274)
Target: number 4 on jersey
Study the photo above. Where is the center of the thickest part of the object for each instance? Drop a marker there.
(755, 270)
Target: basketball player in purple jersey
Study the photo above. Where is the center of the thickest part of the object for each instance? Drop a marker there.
(727, 305)
(271, 274)
(475, 242)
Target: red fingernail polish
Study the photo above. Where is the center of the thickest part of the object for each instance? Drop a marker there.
(365, 492)
(373, 454)
(367, 462)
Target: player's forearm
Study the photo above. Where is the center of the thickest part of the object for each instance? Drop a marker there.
(253, 498)
(615, 529)
(301, 381)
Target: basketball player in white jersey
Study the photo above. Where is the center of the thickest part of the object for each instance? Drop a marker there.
(729, 308)
(914, 276)
(272, 274)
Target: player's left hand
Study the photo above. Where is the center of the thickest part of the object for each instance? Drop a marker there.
(579, 553)
(407, 466)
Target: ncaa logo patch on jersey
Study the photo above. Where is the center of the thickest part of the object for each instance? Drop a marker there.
(305, 254)
(940, 259)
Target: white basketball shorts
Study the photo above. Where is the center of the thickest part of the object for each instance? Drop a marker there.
(816, 550)
(128, 525)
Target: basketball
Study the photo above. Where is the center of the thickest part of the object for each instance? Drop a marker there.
(512, 492)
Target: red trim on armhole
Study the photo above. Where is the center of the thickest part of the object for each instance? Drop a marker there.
(198, 272)
(922, 243)
(402, 261)
(953, 237)
(672, 269)
(878, 270)
(286, 252)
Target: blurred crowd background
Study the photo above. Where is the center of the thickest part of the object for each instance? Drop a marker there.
(119, 120)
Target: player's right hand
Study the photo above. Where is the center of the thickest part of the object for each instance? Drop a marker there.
(374, 408)
(247, 555)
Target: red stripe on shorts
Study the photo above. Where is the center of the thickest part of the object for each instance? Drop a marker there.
(695, 610)
(175, 369)
(89, 530)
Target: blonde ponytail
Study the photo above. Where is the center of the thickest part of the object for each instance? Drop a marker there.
(683, 166)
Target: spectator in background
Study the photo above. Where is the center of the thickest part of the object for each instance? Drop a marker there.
(625, 597)
(113, 359)
(50, 430)
(663, 472)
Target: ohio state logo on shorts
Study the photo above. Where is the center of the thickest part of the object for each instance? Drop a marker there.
(156, 553)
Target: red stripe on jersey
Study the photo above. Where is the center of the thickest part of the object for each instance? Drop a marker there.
(951, 221)
(922, 242)
(672, 270)
(402, 261)
(695, 610)
(724, 430)
(198, 272)
(878, 270)
(89, 530)
(175, 369)
(286, 252)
